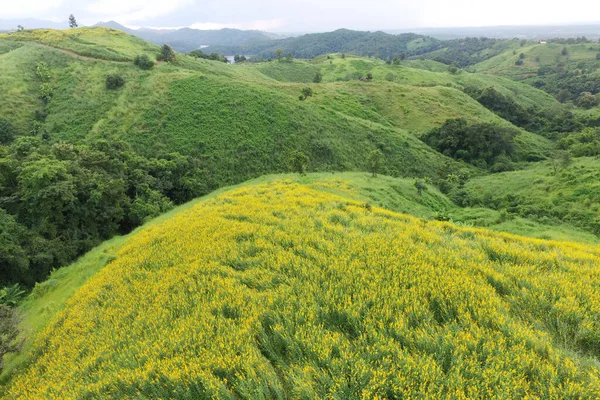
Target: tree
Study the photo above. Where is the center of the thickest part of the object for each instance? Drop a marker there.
(390, 77)
(278, 54)
(598, 56)
(452, 69)
(306, 92)
(402, 56)
(564, 51)
(374, 161)
(166, 53)
(72, 21)
(298, 162)
(522, 56)
(318, 77)
(20, 28)
(9, 331)
(561, 160)
(143, 62)
(587, 100)
(563, 95)
(343, 56)
(519, 62)
(7, 131)
(369, 76)
(289, 57)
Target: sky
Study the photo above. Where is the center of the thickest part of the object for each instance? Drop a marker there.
(308, 15)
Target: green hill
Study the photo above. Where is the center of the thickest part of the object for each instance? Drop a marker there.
(282, 289)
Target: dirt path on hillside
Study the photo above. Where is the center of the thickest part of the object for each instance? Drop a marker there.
(77, 55)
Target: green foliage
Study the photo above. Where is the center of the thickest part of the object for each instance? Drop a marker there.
(143, 62)
(9, 331)
(587, 100)
(420, 186)
(306, 93)
(480, 144)
(166, 53)
(298, 162)
(46, 91)
(213, 56)
(43, 71)
(7, 131)
(11, 295)
(564, 51)
(114, 81)
(390, 77)
(519, 62)
(374, 162)
(318, 77)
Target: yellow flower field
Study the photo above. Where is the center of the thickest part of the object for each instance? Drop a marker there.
(282, 291)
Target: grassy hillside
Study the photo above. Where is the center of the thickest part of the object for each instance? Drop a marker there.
(316, 295)
(571, 195)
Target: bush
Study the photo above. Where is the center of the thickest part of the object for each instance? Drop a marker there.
(143, 61)
(114, 81)
(519, 62)
(46, 91)
(318, 77)
(306, 92)
(390, 77)
(298, 162)
(43, 72)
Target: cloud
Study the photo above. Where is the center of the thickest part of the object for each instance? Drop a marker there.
(135, 10)
(261, 25)
(28, 8)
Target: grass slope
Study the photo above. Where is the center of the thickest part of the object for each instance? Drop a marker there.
(280, 290)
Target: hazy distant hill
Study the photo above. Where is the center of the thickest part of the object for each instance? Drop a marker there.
(188, 39)
(379, 44)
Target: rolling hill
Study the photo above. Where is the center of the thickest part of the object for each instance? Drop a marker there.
(284, 289)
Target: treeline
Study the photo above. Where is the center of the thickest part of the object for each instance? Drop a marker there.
(206, 56)
(469, 51)
(374, 44)
(59, 200)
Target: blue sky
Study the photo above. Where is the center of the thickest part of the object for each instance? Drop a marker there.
(307, 15)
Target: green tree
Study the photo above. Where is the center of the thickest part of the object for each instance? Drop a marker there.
(306, 92)
(318, 77)
(20, 28)
(7, 131)
(278, 54)
(522, 56)
(343, 56)
(166, 53)
(564, 51)
(374, 161)
(298, 162)
(563, 95)
(42, 70)
(390, 77)
(369, 76)
(72, 21)
(587, 100)
(598, 56)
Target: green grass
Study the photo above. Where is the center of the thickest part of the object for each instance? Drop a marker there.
(571, 197)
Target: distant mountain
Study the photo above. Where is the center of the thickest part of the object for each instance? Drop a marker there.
(379, 44)
(30, 23)
(188, 39)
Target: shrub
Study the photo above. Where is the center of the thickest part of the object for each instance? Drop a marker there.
(519, 62)
(114, 81)
(306, 92)
(390, 77)
(46, 91)
(11, 295)
(43, 72)
(143, 61)
(374, 161)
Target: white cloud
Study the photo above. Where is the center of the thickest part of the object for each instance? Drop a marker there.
(261, 25)
(135, 10)
(28, 8)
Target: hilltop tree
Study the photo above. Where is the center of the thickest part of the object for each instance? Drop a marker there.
(20, 28)
(72, 21)
(298, 162)
(278, 54)
(374, 161)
